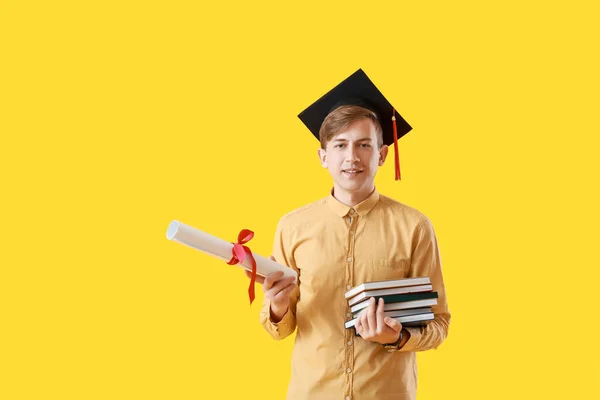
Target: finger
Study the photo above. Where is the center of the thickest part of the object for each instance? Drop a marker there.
(364, 322)
(284, 293)
(272, 278)
(371, 316)
(259, 279)
(380, 317)
(358, 325)
(282, 299)
(279, 286)
(394, 324)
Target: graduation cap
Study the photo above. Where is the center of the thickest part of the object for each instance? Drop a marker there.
(358, 90)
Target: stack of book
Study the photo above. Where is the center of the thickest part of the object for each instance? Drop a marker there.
(407, 300)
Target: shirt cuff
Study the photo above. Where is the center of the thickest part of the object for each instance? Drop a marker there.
(277, 328)
(411, 343)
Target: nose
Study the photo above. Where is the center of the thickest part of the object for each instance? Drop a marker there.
(352, 155)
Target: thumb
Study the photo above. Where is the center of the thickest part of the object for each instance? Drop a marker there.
(393, 323)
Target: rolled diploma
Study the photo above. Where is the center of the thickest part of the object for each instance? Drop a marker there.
(216, 247)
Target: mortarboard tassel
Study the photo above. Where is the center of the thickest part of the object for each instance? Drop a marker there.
(397, 158)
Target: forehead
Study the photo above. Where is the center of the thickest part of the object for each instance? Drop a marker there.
(363, 129)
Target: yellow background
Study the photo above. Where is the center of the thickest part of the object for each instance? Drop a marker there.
(118, 117)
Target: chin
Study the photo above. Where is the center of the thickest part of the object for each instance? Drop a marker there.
(351, 186)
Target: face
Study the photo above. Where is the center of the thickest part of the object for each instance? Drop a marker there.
(353, 157)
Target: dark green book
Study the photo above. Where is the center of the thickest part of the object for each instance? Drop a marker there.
(396, 298)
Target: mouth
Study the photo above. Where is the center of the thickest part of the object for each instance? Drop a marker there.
(352, 171)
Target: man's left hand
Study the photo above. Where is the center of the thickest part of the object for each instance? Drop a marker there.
(374, 326)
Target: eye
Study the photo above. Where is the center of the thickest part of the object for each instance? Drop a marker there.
(366, 145)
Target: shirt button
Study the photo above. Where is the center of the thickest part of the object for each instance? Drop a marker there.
(348, 370)
(347, 397)
(352, 211)
(348, 287)
(348, 315)
(349, 342)
(349, 259)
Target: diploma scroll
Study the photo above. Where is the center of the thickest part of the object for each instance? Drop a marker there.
(216, 247)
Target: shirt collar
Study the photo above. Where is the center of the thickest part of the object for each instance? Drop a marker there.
(361, 208)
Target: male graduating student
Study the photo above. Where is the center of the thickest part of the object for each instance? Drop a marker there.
(353, 235)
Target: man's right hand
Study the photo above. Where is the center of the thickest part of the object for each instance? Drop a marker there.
(277, 289)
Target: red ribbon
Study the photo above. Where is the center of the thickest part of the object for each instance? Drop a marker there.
(397, 157)
(239, 252)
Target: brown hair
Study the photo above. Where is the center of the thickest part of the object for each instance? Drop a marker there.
(340, 118)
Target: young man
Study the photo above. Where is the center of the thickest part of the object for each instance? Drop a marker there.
(352, 236)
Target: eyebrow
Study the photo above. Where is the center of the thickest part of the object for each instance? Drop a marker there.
(359, 140)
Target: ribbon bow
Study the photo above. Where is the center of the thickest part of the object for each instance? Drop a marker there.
(239, 252)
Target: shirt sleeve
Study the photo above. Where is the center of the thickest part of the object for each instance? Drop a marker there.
(287, 325)
(426, 261)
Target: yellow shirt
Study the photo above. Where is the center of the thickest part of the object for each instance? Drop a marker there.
(334, 247)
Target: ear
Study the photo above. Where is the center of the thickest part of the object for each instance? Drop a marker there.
(383, 152)
(323, 157)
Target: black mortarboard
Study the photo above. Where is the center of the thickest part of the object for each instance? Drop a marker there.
(358, 90)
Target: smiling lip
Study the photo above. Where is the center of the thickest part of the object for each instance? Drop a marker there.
(352, 171)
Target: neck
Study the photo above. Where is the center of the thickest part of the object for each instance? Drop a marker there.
(352, 198)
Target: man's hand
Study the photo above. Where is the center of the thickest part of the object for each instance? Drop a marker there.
(373, 326)
(278, 290)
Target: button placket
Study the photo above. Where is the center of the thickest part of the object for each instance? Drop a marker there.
(353, 221)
